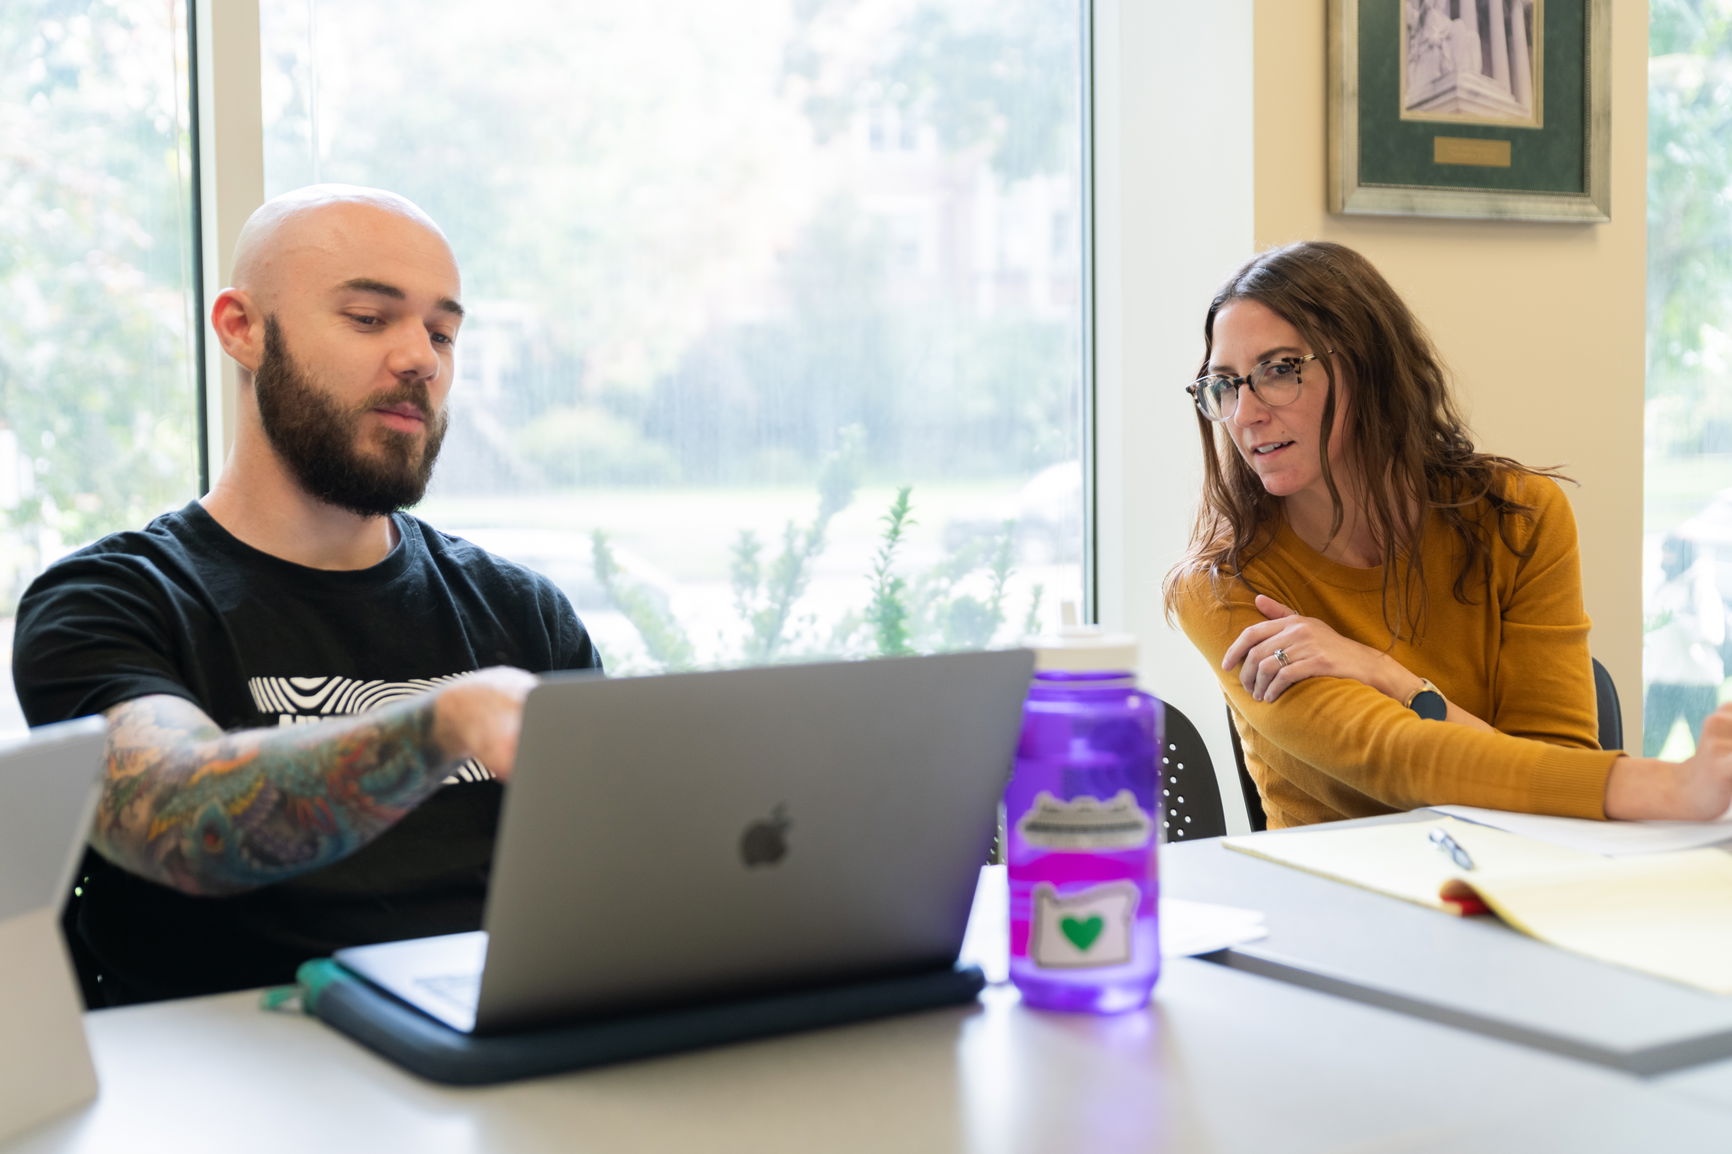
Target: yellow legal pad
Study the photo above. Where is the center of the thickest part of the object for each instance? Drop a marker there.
(1667, 914)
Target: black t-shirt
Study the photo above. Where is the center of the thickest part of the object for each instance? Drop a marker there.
(184, 608)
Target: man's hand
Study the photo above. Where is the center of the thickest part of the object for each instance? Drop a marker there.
(1697, 789)
(480, 715)
(1312, 649)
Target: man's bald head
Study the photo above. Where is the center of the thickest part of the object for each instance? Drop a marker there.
(343, 317)
(316, 219)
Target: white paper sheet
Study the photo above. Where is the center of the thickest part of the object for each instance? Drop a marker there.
(1191, 928)
(1187, 928)
(1610, 838)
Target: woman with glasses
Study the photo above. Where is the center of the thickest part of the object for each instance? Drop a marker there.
(1395, 616)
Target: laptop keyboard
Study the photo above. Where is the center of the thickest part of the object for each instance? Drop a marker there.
(459, 990)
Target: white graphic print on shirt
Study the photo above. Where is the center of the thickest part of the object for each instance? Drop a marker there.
(302, 700)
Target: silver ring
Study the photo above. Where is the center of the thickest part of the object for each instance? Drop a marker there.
(1281, 656)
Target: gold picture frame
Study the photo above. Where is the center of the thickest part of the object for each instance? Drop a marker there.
(1473, 109)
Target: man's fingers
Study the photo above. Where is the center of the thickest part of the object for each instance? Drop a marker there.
(480, 714)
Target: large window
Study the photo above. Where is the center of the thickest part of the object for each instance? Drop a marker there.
(776, 326)
(98, 390)
(1687, 649)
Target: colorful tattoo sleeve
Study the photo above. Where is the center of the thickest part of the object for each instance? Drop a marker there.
(209, 812)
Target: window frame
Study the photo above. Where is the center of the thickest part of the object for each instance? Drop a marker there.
(229, 160)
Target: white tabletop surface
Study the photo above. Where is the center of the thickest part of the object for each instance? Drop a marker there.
(1222, 1061)
(1710, 1082)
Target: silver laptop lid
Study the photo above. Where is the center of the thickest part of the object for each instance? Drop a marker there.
(49, 781)
(693, 835)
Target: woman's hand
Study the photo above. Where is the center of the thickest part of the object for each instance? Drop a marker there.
(1312, 649)
(1696, 789)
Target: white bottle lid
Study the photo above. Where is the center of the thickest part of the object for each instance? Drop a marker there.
(1082, 648)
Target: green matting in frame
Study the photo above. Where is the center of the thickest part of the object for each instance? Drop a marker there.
(1549, 163)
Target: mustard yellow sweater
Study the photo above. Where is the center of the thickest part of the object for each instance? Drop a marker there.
(1516, 657)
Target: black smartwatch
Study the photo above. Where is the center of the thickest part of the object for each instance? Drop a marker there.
(1428, 702)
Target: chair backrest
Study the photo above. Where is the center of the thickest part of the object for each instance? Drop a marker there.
(1611, 713)
(1190, 795)
(1247, 786)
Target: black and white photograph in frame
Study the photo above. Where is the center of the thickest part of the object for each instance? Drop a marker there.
(1473, 61)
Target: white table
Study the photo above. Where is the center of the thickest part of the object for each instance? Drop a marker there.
(1223, 1061)
(1710, 1082)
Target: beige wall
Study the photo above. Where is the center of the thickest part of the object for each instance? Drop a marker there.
(1541, 324)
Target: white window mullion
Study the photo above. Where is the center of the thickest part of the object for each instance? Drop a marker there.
(1173, 215)
(231, 179)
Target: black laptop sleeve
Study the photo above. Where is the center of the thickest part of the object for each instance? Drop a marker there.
(393, 1028)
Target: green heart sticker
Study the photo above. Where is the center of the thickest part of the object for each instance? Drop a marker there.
(1082, 932)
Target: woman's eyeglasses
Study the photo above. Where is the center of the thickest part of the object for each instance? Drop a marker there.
(1275, 382)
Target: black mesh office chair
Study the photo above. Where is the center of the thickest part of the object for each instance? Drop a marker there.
(1247, 787)
(1190, 795)
(1611, 713)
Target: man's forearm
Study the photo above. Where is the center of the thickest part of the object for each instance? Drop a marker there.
(208, 812)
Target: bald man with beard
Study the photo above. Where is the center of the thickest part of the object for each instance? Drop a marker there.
(312, 696)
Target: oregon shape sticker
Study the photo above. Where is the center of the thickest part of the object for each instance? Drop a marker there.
(1090, 927)
(1086, 823)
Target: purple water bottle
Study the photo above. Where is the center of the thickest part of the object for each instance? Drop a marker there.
(1080, 828)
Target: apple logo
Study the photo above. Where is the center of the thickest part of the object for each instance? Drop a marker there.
(765, 842)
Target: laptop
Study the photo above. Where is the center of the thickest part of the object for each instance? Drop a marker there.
(49, 782)
(687, 838)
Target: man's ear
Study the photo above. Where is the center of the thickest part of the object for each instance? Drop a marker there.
(239, 327)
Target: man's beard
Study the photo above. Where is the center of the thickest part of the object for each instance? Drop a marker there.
(320, 442)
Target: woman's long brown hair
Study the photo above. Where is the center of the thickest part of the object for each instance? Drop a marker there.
(1410, 451)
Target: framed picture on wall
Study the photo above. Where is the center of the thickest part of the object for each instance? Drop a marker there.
(1470, 108)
